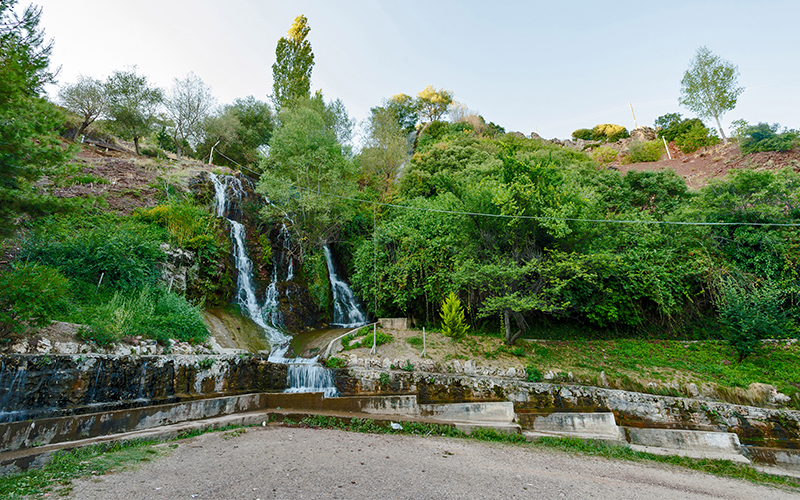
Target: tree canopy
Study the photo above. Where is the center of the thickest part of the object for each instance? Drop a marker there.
(189, 101)
(710, 86)
(132, 104)
(85, 98)
(294, 60)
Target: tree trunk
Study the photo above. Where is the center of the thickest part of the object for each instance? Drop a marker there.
(511, 338)
(80, 130)
(136, 145)
(722, 132)
(179, 150)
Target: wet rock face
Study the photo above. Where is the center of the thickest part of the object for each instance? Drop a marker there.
(54, 385)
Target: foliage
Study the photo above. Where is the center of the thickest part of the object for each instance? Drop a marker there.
(307, 161)
(240, 131)
(609, 132)
(30, 294)
(604, 155)
(318, 279)
(453, 322)
(690, 134)
(31, 146)
(294, 60)
(132, 104)
(385, 148)
(189, 225)
(378, 338)
(433, 104)
(696, 137)
(85, 98)
(334, 362)
(765, 137)
(534, 375)
(125, 253)
(188, 103)
(643, 151)
(710, 86)
(151, 312)
(582, 133)
(751, 312)
(405, 111)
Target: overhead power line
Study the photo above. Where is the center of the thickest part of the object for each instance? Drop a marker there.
(540, 218)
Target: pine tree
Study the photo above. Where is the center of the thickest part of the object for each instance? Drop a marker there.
(453, 322)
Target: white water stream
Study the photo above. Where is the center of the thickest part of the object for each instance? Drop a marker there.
(303, 374)
(347, 312)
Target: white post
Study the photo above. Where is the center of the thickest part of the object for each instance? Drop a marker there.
(666, 147)
(98, 283)
(423, 343)
(374, 349)
(211, 155)
(634, 116)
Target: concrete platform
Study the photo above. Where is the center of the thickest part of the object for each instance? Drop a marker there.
(599, 425)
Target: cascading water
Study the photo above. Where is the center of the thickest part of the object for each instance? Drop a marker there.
(303, 375)
(347, 312)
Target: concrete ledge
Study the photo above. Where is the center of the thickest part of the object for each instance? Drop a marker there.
(713, 455)
(674, 439)
(600, 425)
(780, 457)
(394, 323)
(470, 412)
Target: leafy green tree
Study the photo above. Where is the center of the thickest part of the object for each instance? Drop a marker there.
(294, 60)
(406, 110)
(433, 104)
(132, 104)
(385, 148)
(188, 103)
(29, 144)
(85, 98)
(307, 163)
(454, 324)
(710, 86)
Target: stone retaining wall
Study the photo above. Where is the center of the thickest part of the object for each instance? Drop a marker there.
(755, 426)
(46, 386)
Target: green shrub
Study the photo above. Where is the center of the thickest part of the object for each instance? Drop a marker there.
(189, 225)
(126, 254)
(604, 154)
(643, 151)
(763, 137)
(453, 323)
(335, 362)
(751, 312)
(696, 137)
(150, 312)
(30, 294)
(416, 341)
(609, 132)
(153, 152)
(582, 133)
(379, 339)
(534, 375)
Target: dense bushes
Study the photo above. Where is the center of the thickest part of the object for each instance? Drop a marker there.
(605, 132)
(30, 294)
(123, 252)
(643, 151)
(110, 266)
(763, 137)
(689, 134)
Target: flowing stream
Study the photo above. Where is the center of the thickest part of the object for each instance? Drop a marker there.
(347, 312)
(303, 374)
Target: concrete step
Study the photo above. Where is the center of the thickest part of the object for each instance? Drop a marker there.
(494, 412)
(600, 425)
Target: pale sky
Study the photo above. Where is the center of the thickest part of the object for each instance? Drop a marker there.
(545, 66)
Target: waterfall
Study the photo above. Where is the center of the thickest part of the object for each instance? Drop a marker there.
(347, 312)
(303, 375)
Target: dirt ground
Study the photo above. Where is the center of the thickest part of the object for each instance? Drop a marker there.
(713, 162)
(291, 463)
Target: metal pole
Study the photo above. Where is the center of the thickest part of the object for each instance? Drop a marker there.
(423, 343)
(374, 349)
(98, 283)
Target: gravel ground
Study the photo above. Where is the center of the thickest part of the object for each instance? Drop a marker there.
(279, 462)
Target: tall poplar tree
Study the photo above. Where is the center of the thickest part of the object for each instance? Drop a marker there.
(291, 73)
